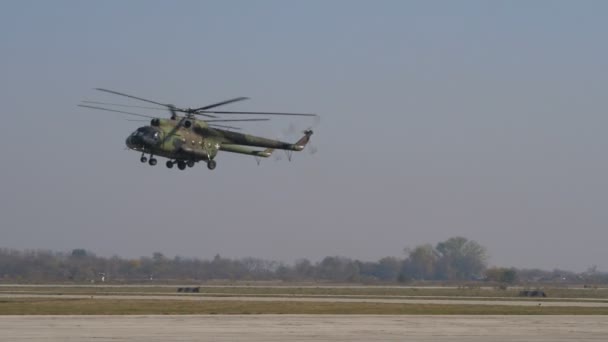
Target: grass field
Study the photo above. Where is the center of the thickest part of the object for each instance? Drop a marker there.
(35, 306)
(316, 300)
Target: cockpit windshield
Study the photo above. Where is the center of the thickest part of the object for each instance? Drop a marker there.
(146, 131)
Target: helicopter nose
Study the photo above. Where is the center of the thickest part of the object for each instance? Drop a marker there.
(147, 141)
(129, 142)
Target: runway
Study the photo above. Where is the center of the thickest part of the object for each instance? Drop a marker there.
(574, 303)
(302, 328)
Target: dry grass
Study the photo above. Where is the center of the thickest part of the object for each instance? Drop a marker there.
(35, 306)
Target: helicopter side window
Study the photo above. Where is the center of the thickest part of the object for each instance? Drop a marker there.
(156, 135)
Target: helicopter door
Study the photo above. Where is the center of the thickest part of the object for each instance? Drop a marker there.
(161, 137)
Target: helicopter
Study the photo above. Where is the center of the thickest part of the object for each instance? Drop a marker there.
(192, 135)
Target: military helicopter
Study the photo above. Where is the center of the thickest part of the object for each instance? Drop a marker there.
(187, 139)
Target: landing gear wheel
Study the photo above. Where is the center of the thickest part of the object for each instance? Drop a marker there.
(169, 164)
(181, 165)
(190, 163)
(211, 164)
(143, 159)
(152, 161)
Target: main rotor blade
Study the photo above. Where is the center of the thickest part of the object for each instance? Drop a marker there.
(193, 112)
(132, 97)
(166, 105)
(224, 126)
(233, 120)
(221, 103)
(122, 105)
(257, 113)
(117, 111)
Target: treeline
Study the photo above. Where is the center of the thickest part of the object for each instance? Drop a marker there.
(456, 259)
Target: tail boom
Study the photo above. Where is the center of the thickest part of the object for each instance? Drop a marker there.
(246, 150)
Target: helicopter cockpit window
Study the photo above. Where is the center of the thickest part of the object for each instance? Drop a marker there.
(156, 135)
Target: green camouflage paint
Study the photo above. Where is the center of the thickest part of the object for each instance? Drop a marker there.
(189, 139)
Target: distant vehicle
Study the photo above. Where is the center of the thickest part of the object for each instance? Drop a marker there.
(532, 293)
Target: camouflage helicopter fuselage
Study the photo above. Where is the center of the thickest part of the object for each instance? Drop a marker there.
(186, 140)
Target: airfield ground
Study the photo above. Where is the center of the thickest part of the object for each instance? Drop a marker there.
(284, 313)
(287, 328)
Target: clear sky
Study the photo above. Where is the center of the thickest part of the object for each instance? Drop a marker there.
(483, 119)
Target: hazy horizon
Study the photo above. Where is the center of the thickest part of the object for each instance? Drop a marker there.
(438, 119)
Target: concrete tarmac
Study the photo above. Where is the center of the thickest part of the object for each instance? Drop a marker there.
(218, 328)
